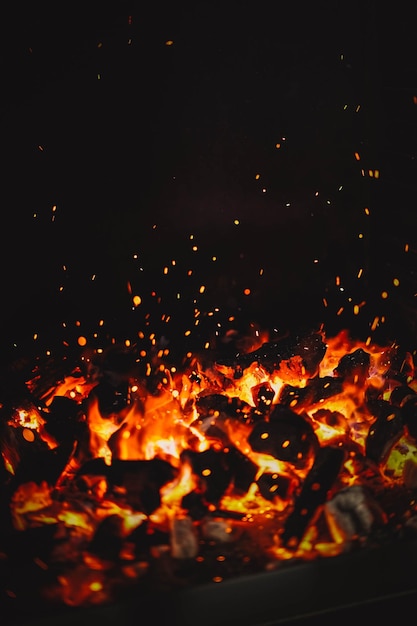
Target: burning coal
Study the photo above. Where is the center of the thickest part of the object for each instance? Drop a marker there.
(122, 470)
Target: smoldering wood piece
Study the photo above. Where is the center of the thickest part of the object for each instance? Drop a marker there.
(63, 419)
(184, 538)
(94, 467)
(107, 541)
(16, 442)
(385, 431)
(273, 485)
(43, 465)
(141, 480)
(400, 365)
(145, 537)
(401, 394)
(352, 513)
(243, 470)
(286, 436)
(30, 456)
(213, 471)
(111, 400)
(263, 396)
(316, 389)
(195, 505)
(405, 398)
(50, 373)
(313, 494)
(354, 367)
(220, 406)
(310, 348)
(335, 419)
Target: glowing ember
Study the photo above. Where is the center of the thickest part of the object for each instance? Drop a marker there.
(293, 448)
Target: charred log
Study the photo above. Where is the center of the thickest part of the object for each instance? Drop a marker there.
(314, 492)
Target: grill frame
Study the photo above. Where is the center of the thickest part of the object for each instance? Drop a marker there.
(369, 582)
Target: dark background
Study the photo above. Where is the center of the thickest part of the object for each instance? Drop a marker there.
(140, 145)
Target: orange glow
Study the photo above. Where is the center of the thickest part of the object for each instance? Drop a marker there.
(164, 418)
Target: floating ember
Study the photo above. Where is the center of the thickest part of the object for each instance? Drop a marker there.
(126, 472)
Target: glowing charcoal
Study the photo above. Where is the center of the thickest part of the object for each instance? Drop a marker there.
(286, 436)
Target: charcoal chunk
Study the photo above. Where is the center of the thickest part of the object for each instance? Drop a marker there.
(354, 367)
(313, 494)
(315, 390)
(263, 396)
(213, 471)
(286, 436)
(310, 348)
(272, 486)
(385, 432)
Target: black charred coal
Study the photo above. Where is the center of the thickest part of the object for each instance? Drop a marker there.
(107, 541)
(213, 471)
(310, 348)
(263, 396)
(335, 419)
(141, 480)
(215, 405)
(94, 467)
(16, 442)
(243, 470)
(42, 465)
(195, 505)
(31, 457)
(111, 400)
(63, 419)
(286, 436)
(314, 492)
(315, 390)
(354, 367)
(401, 394)
(406, 398)
(385, 432)
(144, 537)
(272, 486)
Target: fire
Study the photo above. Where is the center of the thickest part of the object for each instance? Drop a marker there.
(293, 444)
